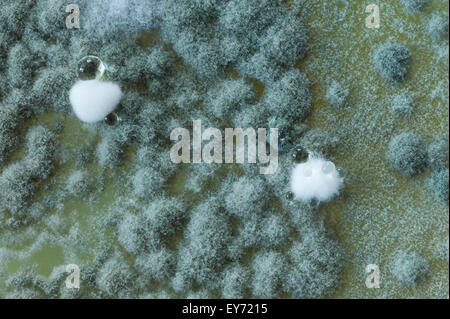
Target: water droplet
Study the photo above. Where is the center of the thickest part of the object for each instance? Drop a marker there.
(284, 140)
(90, 67)
(300, 155)
(112, 119)
(290, 196)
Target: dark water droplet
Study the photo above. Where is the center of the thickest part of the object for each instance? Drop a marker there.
(300, 155)
(289, 196)
(111, 119)
(284, 139)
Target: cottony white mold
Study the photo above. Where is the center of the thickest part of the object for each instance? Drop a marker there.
(92, 100)
(315, 179)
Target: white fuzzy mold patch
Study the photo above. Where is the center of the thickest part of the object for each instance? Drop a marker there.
(315, 179)
(92, 100)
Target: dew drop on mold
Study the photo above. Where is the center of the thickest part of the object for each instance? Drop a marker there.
(112, 119)
(90, 67)
(300, 155)
(289, 196)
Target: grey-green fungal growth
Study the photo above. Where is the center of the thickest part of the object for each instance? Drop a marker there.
(307, 255)
(410, 268)
(320, 142)
(200, 176)
(407, 153)
(438, 28)
(209, 50)
(79, 183)
(144, 66)
(235, 281)
(156, 266)
(289, 97)
(285, 42)
(16, 187)
(41, 145)
(337, 95)
(26, 285)
(147, 181)
(150, 231)
(445, 245)
(274, 232)
(415, 6)
(49, 87)
(10, 119)
(20, 65)
(19, 180)
(438, 183)
(244, 198)
(288, 132)
(115, 278)
(109, 152)
(438, 153)
(13, 18)
(268, 267)
(392, 61)
(403, 104)
(47, 22)
(230, 96)
(204, 254)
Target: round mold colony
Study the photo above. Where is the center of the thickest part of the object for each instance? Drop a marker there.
(410, 268)
(407, 154)
(392, 61)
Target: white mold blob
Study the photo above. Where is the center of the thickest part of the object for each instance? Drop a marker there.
(92, 100)
(315, 179)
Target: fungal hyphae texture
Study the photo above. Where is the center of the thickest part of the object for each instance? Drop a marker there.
(86, 176)
(392, 60)
(407, 154)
